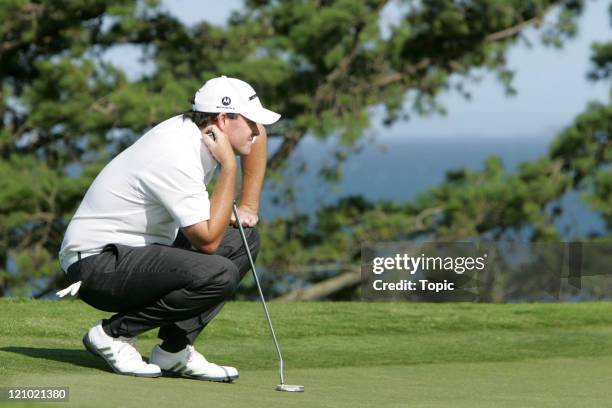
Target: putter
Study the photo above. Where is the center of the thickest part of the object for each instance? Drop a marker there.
(282, 386)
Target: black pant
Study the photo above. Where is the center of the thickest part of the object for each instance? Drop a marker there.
(175, 288)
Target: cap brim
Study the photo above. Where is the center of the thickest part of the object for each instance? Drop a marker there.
(263, 116)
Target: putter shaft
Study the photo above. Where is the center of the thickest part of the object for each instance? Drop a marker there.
(263, 301)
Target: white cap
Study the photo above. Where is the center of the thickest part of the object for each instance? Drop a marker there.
(232, 95)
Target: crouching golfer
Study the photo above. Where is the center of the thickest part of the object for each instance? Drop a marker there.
(123, 250)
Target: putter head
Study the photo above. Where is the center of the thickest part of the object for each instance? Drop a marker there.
(290, 388)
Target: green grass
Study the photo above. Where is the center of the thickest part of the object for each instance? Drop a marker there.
(346, 355)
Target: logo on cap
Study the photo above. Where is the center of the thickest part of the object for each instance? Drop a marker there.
(226, 100)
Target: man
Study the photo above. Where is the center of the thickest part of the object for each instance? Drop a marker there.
(126, 255)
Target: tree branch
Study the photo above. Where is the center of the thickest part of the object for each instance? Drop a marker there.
(326, 288)
(512, 31)
(322, 94)
(290, 141)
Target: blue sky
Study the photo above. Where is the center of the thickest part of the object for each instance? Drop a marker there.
(551, 84)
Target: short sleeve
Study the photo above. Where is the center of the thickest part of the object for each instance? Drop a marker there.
(180, 188)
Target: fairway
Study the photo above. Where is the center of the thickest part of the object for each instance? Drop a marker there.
(346, 355)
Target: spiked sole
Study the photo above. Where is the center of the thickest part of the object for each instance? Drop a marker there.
(176, 374)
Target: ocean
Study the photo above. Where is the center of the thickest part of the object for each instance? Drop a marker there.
(400, 169)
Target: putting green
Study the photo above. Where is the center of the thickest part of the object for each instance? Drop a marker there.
(345, 354)
(581, 382)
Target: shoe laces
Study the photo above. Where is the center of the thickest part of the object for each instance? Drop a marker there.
(127, 348)
(195, 355)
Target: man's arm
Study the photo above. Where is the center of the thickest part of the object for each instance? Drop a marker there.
(253, 174)
(207, 235)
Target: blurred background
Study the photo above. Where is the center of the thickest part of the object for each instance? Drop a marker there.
(434, 120)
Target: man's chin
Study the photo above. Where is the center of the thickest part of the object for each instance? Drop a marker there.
(245, 150)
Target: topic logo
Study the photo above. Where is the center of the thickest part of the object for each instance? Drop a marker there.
(226, 100)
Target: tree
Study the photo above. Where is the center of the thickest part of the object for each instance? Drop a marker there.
(323, 64)
(467, 205)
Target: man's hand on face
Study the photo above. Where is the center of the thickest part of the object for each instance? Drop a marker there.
(248, 217)
(219, 146)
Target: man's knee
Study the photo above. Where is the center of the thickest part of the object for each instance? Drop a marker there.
(223, 278)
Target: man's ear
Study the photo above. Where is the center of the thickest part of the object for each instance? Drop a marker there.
(220, 121)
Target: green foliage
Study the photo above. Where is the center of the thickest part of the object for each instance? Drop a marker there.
(66, 110)
(602, 61)
(469, 204)
(584, 146)
(472, 204)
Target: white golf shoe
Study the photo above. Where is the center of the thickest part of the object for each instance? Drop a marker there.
(120, 353)
(191, 364)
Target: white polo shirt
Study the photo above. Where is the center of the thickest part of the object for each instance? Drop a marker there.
(144, 194)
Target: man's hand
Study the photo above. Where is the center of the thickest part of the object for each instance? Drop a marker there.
(248, 217)
(219, 146)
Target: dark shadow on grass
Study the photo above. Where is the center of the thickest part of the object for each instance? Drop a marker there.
(75, 357)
